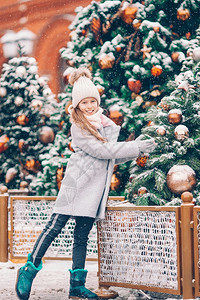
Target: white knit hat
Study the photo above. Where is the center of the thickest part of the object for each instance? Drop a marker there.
(83, 86)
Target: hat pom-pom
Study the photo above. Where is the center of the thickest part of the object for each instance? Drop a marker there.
(77, 73)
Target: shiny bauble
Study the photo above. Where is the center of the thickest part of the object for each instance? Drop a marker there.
(142, 190)
(134, 85)
(156, 28)
(106, 61)
(20, 71)
(175, 57)
(70, 146)
(22, 145)
(59, 176)
(47, 92)
(16, 85)
(32, 165)
(37, 104)
(196, 54)
(181, 132)
(183, 14)
(181, 178)
(129, 14)
(22, 120)
(141, 160)
(116, 116)
(136, 24)
(43, 80)
(23, 185)
(100, 89)
(115, 182)
(67, 107)
(10, 175)
(175, 116)
(3, 92)
(164, 105)
(33, 69)
(67, 74)
(4, 139)
(47, 135)
(156, 71)
(161, 130)
(18, 101)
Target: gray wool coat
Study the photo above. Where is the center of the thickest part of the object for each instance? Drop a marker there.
(85, 186)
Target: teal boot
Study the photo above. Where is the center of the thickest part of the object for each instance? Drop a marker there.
(77, 285)
(25, 277)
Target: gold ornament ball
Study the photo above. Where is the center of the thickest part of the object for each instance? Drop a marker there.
(181, 178)
(174, 116)
(46, 135)
(106, 61)
(161, 130)
(142, 190)
(181, 132)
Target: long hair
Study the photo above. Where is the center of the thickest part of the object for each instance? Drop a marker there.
(79, 118)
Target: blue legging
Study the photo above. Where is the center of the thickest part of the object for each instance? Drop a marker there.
(51, 231)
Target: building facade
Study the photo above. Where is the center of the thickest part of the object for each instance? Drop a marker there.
(49, 20)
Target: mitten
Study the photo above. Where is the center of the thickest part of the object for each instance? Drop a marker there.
(145, 146)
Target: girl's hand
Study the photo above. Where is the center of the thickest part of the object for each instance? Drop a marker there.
(145, 146)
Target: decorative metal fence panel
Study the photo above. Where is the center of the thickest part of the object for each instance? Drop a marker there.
(29, 215)
(139, 248)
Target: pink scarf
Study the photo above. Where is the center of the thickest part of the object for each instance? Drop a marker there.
(99, 119)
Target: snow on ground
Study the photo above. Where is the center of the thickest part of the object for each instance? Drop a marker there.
(52, 283)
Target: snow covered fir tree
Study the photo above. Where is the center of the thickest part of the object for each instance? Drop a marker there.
(26, 105)
(132, 49)
(174, 166)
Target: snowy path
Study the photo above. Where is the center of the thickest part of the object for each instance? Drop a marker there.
(52, 282)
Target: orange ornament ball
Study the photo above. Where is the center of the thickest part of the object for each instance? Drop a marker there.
(116, 116)
(22, 120)
(134, 85)
(4, 139)
(141, 160)
(156, 71)
(174, 116)
(142, 190)
(183, 14)
(32, 165)
(115, 182)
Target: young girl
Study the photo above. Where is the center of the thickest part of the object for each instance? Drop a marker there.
(85, 186)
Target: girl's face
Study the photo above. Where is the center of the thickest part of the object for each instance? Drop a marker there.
(88, 106)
